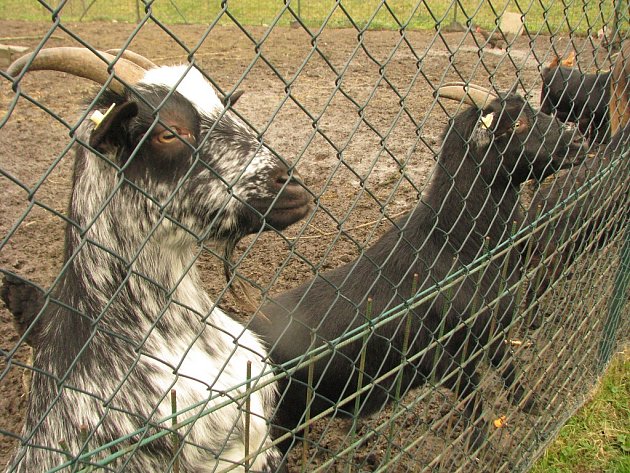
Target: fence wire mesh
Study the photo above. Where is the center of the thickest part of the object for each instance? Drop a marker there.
(349, 267)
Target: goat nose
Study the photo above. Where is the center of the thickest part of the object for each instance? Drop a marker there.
(573, 128)
(285, 176)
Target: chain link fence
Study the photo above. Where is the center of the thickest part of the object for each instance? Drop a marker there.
(435, 277)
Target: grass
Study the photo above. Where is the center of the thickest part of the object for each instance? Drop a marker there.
(545, 16)
(597, 438)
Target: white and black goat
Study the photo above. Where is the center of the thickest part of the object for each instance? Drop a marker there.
(168, 168)
(469, 207)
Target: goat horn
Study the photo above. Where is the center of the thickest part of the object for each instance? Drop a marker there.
(80, 62)
(470, 93)
(136, 58)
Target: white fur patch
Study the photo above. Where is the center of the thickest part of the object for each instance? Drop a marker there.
(481, 136)
(193, 86)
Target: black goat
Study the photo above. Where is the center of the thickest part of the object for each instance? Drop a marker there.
(579, 98)
(469, 206)
(165, 169)
(579, 220)
(558, 244)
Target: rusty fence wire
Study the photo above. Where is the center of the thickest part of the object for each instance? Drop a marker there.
(395, 233)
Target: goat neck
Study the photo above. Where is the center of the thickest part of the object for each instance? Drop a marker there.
(470, 202)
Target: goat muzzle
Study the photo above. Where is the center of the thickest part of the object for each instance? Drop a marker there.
(290, 201)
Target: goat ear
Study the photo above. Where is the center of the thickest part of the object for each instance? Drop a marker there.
(570, 61)
(109, 132)
(232, 99)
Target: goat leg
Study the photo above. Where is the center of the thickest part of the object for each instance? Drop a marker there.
(467, 390)
(518, 395)
(24, 301)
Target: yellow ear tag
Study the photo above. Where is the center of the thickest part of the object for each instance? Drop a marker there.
(97, 117)
(500, 422)
(487, 119)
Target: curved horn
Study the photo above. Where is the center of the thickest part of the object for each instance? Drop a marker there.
(136, 58)
(80, 62)
(469, 93)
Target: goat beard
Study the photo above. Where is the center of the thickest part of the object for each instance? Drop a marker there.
(243, 291)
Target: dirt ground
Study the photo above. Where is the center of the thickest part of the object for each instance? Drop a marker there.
(341, 120)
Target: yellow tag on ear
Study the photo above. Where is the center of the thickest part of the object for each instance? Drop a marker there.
(487, 119)
(97, 117)
(500, 422)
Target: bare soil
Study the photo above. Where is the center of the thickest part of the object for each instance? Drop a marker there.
(358, 117)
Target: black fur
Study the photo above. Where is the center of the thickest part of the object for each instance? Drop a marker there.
(592, 221)
(579, 98)
(471, 202)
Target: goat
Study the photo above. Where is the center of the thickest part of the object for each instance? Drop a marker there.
(469, 207)
(165, 170)
(577, 97)
(620, 90)
(592, 219)
(575, 226)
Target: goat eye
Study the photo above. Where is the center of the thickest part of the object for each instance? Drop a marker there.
(166, 136)
(172, 135)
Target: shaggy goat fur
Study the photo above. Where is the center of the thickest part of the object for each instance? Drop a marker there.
(128, 321)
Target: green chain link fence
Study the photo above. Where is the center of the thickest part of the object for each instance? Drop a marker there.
(345, 91)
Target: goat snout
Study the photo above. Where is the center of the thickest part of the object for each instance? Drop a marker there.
(283, 176)
(288, 200)
(571, 147)
(568, 126)
(288, 189)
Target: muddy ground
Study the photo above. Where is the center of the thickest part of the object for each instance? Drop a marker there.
(342, 122)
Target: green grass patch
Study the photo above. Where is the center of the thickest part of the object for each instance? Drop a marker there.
(597, 437)
(544, 16)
